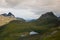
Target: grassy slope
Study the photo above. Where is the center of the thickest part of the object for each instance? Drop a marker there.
(50, 34)
(4, 20)
(14, 29)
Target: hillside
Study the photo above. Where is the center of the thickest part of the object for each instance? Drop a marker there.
(4, 20)
(47, 27)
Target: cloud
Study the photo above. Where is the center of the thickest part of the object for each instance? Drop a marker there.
(13, 3)
(31, 4)
(22, 13)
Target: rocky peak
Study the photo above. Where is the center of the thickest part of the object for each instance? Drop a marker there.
(47, 18)
(48, 14)
(8, 15)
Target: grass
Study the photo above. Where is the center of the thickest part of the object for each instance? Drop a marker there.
(14, 29)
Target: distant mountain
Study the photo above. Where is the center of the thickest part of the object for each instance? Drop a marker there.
(20, 19)
(33, 20)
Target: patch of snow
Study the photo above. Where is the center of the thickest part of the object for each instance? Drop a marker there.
(33, 33)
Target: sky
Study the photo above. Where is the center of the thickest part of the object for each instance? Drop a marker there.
(30, 9)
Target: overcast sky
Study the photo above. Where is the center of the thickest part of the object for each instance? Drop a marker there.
(29, 9)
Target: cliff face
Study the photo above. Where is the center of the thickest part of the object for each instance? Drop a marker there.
(4, 19)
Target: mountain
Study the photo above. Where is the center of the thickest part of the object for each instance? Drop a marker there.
(32, 20)
(6, 18)
(47, 18)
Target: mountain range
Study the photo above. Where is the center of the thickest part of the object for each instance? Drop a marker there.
(47, 26)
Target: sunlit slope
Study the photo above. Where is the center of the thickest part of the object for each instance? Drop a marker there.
(4, 20)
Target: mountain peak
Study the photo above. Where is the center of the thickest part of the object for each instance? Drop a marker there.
(48, 18)
(48, 14)
(8, 15)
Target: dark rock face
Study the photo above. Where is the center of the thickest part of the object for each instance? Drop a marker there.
(4, 14)
(48, 18)
(9, 14)
(48, 15)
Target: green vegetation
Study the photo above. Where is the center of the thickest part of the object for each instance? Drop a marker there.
(14, 29)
